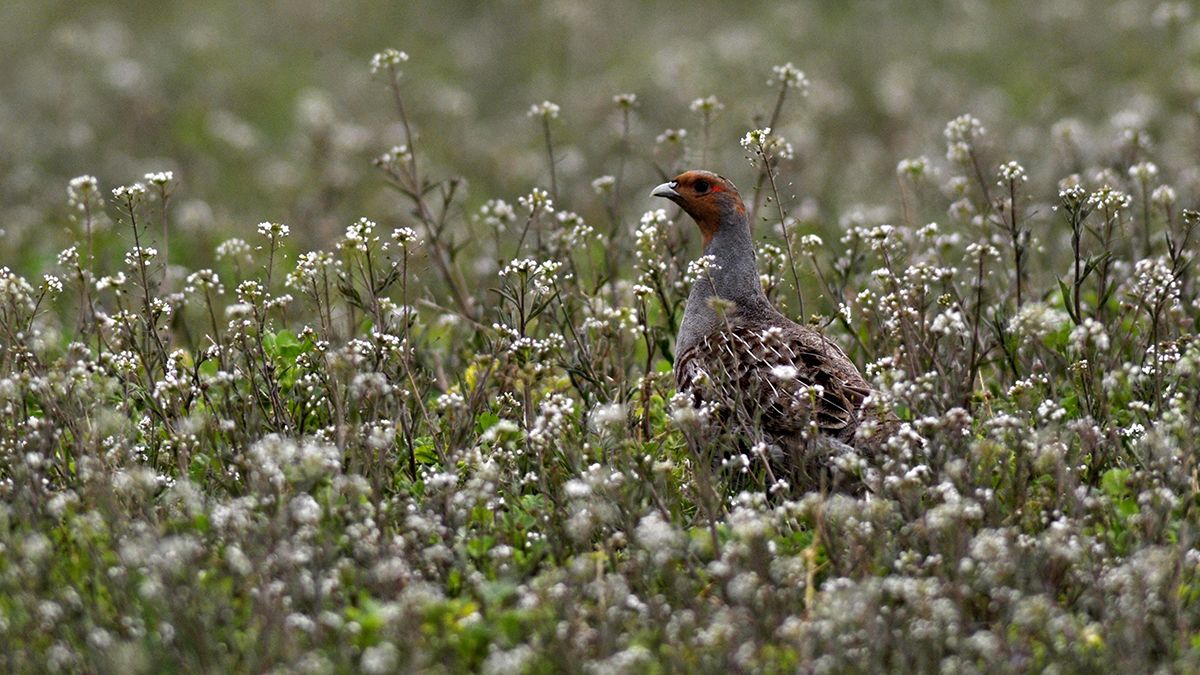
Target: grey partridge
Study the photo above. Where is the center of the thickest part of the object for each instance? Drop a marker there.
(745, 358)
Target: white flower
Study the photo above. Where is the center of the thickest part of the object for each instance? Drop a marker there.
(625, 100)
(358, 235)
(160, 178)
(405, 236)
(233, 248)
(674, 136)
(387, 59)
(949, 322)
(913, 168)
(762, 143)
(603, 184)
(607, 416)
(545, 110)
(130, 193)
(1143, 171)
(1089, 332)
(790, 77)
(706, 105)
(1072, 195)
(1163, 195)
(81, 189)
(497, 213)
(1011, 172)
(785, 373)
(69, 257)
(274, 230)
(379, 659)
(658, 537)
(1109, 197)
(305, 510)
(537, 201)
(700, 268)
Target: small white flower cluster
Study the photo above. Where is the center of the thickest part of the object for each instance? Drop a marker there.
(1072, 196)
(763, 144)
(913, 168)
(81, 190)
(130, 194)
(540, 274)
(234, 249)
(69, 257)
(1109, 198)
(981, 250)
(279, 461)
(706, 105)
(1154, 285)
(607, 417)
(536, 202)
(949, 323)
(1089, 334)
(1143, 172)
(574, 231)
(387, 59)
(545, 110)
(809, 244)
(789, 76)
(274, 231)
(406, 237)
(140, 255)
(398, 155)
(1163, 196)
(115, 281)
(603, 184)
(358, 236)
(554, 414)
(310, 268)
(204, 280)
(700, 268)
(962, 133)
(625, 101)
(52, 284)
(614, 320)
(1036, 320)
(1011, 172)
(649, 236)
(160, 179)
(497, 214)
(671, 136)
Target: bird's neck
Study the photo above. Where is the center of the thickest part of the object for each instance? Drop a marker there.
(732, 276)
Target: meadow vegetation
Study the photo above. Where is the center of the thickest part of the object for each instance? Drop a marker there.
(421, 417)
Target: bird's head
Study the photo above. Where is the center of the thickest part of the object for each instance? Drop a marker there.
(711, 200)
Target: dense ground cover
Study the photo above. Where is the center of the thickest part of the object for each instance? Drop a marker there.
(429, 422)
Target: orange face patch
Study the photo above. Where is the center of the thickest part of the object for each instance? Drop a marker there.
(705, 196)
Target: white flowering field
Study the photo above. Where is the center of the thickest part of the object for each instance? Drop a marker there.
(322, 356)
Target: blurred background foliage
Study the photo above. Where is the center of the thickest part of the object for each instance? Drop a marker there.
(268, 111)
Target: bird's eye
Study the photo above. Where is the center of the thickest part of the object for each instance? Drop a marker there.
(700, 186)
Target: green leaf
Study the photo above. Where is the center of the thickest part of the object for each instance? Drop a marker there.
(1114, 482)
(1066, 298)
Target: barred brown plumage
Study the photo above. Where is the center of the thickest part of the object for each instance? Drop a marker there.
(736, 353)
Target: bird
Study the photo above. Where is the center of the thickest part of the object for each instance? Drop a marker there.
(787, 383)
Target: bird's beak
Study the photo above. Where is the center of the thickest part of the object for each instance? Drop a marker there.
(665, 190)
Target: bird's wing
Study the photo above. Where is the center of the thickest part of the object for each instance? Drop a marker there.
(780, 376)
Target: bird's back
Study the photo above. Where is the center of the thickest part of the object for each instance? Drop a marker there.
(787, 378)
